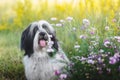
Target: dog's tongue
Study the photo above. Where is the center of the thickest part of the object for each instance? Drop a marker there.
(42, 43)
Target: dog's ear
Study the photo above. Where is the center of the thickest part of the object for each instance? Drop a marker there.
(24, 37)
(27, 41)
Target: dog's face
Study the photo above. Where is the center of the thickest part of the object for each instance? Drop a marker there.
(37, 36)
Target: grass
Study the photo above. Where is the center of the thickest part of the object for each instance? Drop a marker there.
(11, 67)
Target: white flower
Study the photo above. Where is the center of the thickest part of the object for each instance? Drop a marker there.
(83, 59)
(91, 61)
(50, 36)
(74, 29)
(107, 28)
(69, 18)
(53, 18)
(83, 37)
(86, 22)
(76, 46)
(63, 76)
(59, 24)
(50, 44)
(118, 38)
(106, 43)
(101, 51)
(50, 50)
(62, 21)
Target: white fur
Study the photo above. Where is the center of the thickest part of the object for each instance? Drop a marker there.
(41, 67)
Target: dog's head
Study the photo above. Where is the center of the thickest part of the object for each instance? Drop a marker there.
(37, 36)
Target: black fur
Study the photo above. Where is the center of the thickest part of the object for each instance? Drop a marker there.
(55, 45)
(27, 40)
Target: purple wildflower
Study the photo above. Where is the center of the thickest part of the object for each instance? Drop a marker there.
(117, 56)
(106, 43)
(118, 38)
(63, 76)
(92, 32)
(57, 72)
(112, 60)
(91, 61)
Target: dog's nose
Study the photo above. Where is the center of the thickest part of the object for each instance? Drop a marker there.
(42, 33)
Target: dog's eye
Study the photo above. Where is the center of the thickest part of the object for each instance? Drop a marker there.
(35, 30)
(45, 27)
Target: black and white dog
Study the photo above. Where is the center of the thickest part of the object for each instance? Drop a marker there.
(43, 54)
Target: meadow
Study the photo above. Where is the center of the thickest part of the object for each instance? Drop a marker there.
(88, 30)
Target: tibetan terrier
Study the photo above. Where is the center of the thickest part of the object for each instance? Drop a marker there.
(43, 54)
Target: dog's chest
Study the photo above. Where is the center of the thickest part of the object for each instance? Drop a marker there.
(38, 68)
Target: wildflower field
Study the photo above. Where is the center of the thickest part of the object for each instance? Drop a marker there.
(88, 30)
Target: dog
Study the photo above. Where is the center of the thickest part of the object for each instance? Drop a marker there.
(43, 54)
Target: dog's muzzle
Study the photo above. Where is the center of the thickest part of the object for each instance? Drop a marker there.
(43, 38)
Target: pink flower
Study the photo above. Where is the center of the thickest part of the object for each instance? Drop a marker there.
(91, 61)
(106, 43)
(118, 38)
(117, 55)
(57, 72)
(114, 20)
(112, 60)
(63, 76)
(92, 32)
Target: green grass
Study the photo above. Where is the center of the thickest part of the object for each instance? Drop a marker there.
(11, 67)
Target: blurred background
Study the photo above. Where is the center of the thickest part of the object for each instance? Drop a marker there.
(15, 14)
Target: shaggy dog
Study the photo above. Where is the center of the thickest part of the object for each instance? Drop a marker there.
(43, 54)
